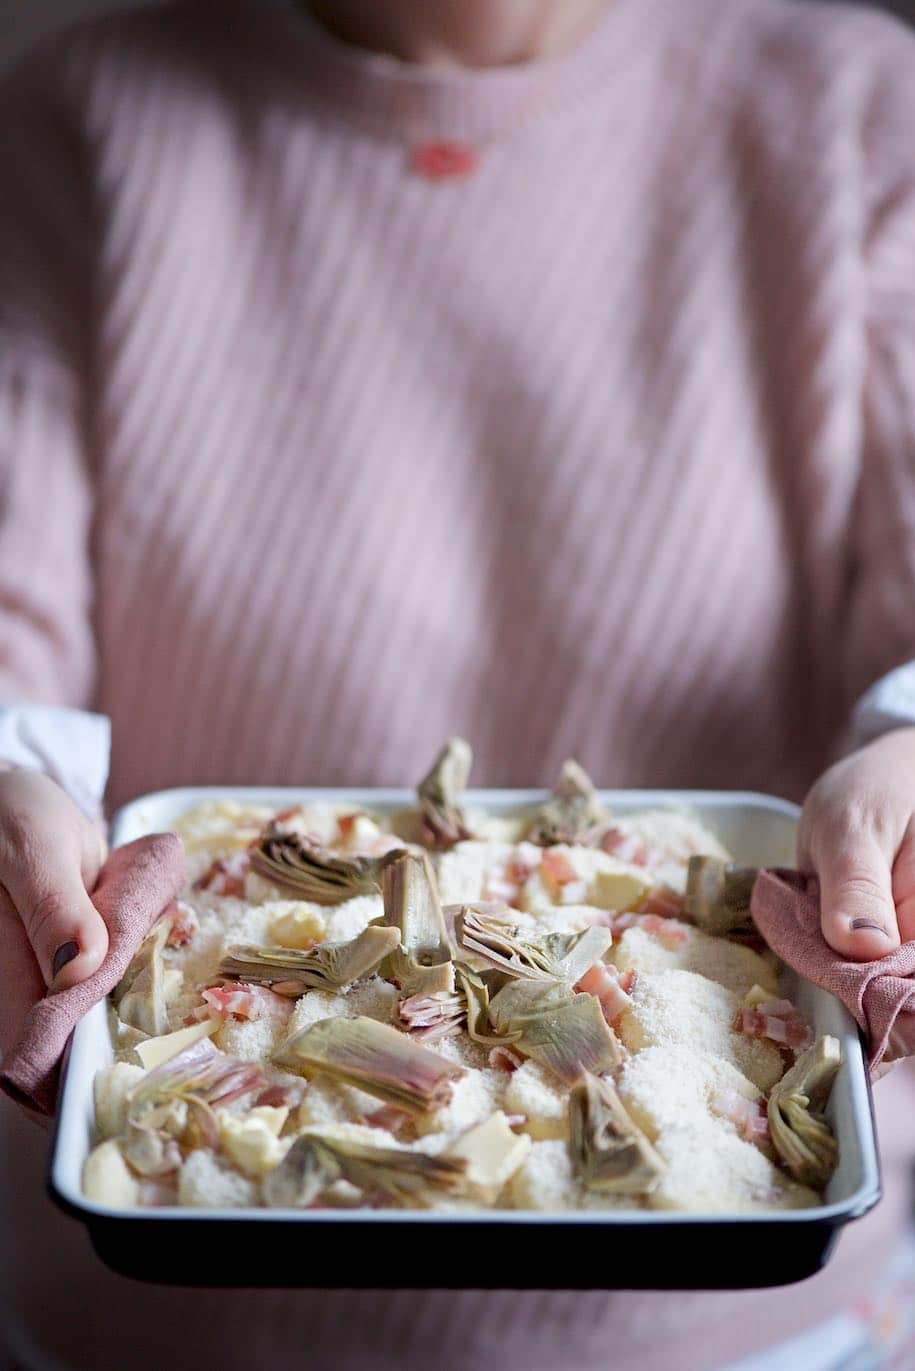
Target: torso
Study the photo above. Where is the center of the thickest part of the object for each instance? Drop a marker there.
(518, 456)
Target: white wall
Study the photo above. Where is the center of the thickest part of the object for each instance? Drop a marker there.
(24, 21)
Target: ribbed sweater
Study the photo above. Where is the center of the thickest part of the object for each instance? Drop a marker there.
(606, 449)
(308, 460)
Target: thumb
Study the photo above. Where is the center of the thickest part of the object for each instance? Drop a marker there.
(857, 912)
(66, 931)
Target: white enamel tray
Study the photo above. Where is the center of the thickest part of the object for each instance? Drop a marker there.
(416, 1248)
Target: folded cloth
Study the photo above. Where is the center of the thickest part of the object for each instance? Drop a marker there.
(881, 995)
(137, 884)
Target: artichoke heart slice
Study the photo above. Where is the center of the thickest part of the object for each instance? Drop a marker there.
(572, 811)
(555, 956)
(476, 993)
(299, 864)
(377, 1059)
(441, 792)
(718, 894)
(610, 1153)
(575, 953)
(300, 1177)
(140, 994)
(519, 1001)
(318, 1158)
(565, 1032)
(496, 941)
(803, 1139)
(421, 961)
(200, 1070)
(571, 1039)
(430, 1017)
(150, 1151)
(329, 966)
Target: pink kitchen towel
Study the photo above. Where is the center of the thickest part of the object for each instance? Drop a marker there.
(880, 994)
(137, 884)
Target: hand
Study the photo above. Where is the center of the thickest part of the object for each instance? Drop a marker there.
(857, 832)
(51, 934)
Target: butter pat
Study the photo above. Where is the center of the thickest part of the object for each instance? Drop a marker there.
(252, 1140)
(618, 888)
(154, 1051)
(493, 1154)
(360, 833)
(299, 925)
(107, 1179)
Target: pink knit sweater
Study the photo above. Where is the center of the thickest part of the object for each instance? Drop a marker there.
(308, 461)
(606, 450)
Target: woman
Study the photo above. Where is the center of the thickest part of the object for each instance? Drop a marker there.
(541, 372)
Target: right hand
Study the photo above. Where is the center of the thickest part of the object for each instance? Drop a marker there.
(51, 934)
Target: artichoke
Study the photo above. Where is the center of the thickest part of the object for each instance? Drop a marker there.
(140, 994)
(571, 813)
(377, 1059)
(800, 1134)
(718, 894)
(610, 1152)
(329, 966)
(440, 794)
(420, 963)
(305, 868)
(555, 956)
(318, 1158)
(565, 1032)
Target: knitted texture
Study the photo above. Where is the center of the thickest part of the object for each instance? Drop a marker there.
(605, 449)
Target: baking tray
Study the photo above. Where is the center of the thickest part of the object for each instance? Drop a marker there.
(495, 1250)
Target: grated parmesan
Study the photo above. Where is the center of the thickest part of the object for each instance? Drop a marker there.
(681, 1008)
(731, 965)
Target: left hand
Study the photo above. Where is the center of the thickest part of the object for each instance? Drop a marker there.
(857, 832)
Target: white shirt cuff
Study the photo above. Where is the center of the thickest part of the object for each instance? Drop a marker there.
(71, 746)
(889, 703)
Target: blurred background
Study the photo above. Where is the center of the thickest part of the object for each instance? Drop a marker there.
(24, 21)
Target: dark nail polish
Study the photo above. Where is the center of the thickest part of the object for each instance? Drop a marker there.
(868, 924)
(64, 954)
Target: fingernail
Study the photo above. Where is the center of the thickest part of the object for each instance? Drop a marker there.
(64, 954)
(869, 925)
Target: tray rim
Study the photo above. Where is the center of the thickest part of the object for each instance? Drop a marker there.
(835, 1214)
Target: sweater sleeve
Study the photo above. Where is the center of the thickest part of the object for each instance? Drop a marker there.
(71, 746)
(881, 605)
(46, 640)
(888, 704)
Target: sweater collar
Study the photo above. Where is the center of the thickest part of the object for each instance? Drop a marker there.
(397, 98)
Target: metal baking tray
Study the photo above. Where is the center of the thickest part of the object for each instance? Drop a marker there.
(421, 1249)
